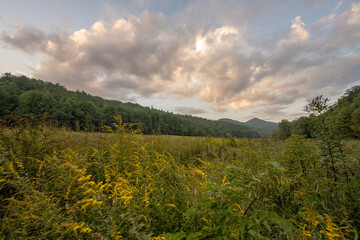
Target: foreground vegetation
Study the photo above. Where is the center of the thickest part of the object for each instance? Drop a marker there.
(59, 184)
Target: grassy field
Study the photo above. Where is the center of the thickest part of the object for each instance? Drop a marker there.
(58, 184)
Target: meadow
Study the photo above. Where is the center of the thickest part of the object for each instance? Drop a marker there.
(120, 184)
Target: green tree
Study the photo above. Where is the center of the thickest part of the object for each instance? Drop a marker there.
(36, 102)
(283, 130)
(326, 132)
(302, 126)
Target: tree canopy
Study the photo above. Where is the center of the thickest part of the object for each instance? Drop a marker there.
(81, 111)
(343, 116)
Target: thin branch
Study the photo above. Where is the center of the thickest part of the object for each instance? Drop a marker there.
(254, 200)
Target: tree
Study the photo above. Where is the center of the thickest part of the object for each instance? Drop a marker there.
(326, 132)
(35, 102)
(352, 93)
(302, 127)
(283, 130)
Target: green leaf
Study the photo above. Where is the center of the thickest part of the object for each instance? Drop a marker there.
(174, 236)
(257, 235)
(194, 236)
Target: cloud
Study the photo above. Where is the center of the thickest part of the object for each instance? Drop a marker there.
(224, 65)
(228, 12)
(189, 110)
(325, 20)
(338, 5)
(28, 39)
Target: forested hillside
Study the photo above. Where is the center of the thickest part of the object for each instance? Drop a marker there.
(81, 111)
(343, 116)
(261, 126)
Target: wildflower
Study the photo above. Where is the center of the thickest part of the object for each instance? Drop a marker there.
(332, 231)
(12, 170)
(78, 225)
(224, 179)
(158, 238)
(237, 208)
(204, 219)
(170, 205)
(145, 218)
(89, 191)
(17, 161)
(186, 187)
(83, 178)
(85, 230)
(199, 172)
(68, 191)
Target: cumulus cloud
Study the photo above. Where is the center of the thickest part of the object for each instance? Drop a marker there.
(189, 110)
(154, 54)
(28, 39)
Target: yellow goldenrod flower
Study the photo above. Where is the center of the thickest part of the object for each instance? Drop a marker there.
(89, 191)
(170, 205)
(85, 230)
(17, 161)
(78, 225)
(158, 238)
(12, 170)
(224, 179)
(84, 178)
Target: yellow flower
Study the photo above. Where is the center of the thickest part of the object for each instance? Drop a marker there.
(78, 225)
(170, 205)
(83, 178)
(12, 170)
(85, 230)
(158, 238)
(224, 179)
(204, 219)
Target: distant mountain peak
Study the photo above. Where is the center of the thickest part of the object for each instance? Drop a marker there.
(256, 119)
(261, 126)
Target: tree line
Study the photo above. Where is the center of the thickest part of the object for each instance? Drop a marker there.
(343, 116)
(79, 110)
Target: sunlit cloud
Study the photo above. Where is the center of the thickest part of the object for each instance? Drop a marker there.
(223, 65)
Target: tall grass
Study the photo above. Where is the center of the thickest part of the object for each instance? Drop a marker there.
(57, 184)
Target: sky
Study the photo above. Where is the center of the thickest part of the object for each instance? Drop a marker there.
(212, 59)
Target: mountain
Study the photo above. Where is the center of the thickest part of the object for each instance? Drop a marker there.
(79, 110)
(261, 126)
(228, 120)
